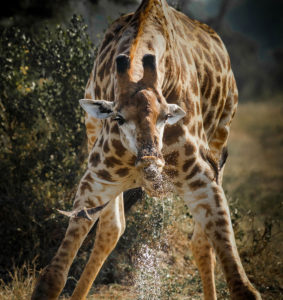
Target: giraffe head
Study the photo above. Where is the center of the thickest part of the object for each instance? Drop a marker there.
(141, 113)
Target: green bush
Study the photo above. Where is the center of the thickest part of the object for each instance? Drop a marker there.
(42, 135)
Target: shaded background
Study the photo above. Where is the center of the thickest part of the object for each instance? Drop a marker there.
(44, 68)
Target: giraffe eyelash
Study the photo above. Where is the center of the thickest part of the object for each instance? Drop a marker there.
(120, 120)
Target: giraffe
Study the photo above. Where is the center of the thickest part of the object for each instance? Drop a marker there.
(159, 104)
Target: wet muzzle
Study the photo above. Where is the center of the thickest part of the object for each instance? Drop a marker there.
(153, 181)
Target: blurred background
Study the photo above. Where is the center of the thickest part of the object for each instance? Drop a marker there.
(47, 49)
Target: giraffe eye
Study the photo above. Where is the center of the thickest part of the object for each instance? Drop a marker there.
(168, 116)
(120, 120)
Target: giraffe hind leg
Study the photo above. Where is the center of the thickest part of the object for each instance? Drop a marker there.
(208, 205)
(205, 259)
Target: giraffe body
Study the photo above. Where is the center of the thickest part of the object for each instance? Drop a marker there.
(170, 98)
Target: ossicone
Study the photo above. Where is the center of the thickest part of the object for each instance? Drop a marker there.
(149, 69)
(148, 61)
(122, 63)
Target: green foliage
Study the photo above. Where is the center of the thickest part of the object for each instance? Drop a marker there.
(42, 133)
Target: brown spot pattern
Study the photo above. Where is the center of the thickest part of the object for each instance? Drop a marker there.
(203, 41)
(197, 184)
(115, 129)
(207, 56)
(206, 207)
(216, 62)
(132, 160)
(171, 172)
(66, 244)
(208, 119)
(196, 169)
(221, 222)
(172, 133)
(190, 149)
(122, 172)
(172, 158)
(209, 75)
(178, 184)
(218, 236)
(192, 129)
(194, 84)
(75, 233)
(106, 148)
(218, 199)
(89, 178)
(119, 148)
(209, 225)
(199, 129)
(104, 175)
(222, 213)
(97, 91)
(101, 141)
(111, 162)
(85, 186)
(94, 159)
(188, 163)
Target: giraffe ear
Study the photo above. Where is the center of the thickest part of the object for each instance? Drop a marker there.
(176, 113)
(100, 109)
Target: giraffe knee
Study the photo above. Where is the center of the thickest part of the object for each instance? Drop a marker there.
(112, 229)
(202, 249)
(115, 231)
(199, 239)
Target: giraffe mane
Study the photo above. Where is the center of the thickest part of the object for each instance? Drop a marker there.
(146, 9)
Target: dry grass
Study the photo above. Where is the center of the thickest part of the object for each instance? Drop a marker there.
(253, 178)
(20, 287)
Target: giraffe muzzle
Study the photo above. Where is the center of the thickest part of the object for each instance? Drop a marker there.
(146, 161)
(153, 179)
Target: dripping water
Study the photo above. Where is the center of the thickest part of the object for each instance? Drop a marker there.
(150, 271)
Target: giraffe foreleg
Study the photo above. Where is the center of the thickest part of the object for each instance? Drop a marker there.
(205, 259)
(111, 226)
(92, 195)
(53, 278)
(209, 208)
